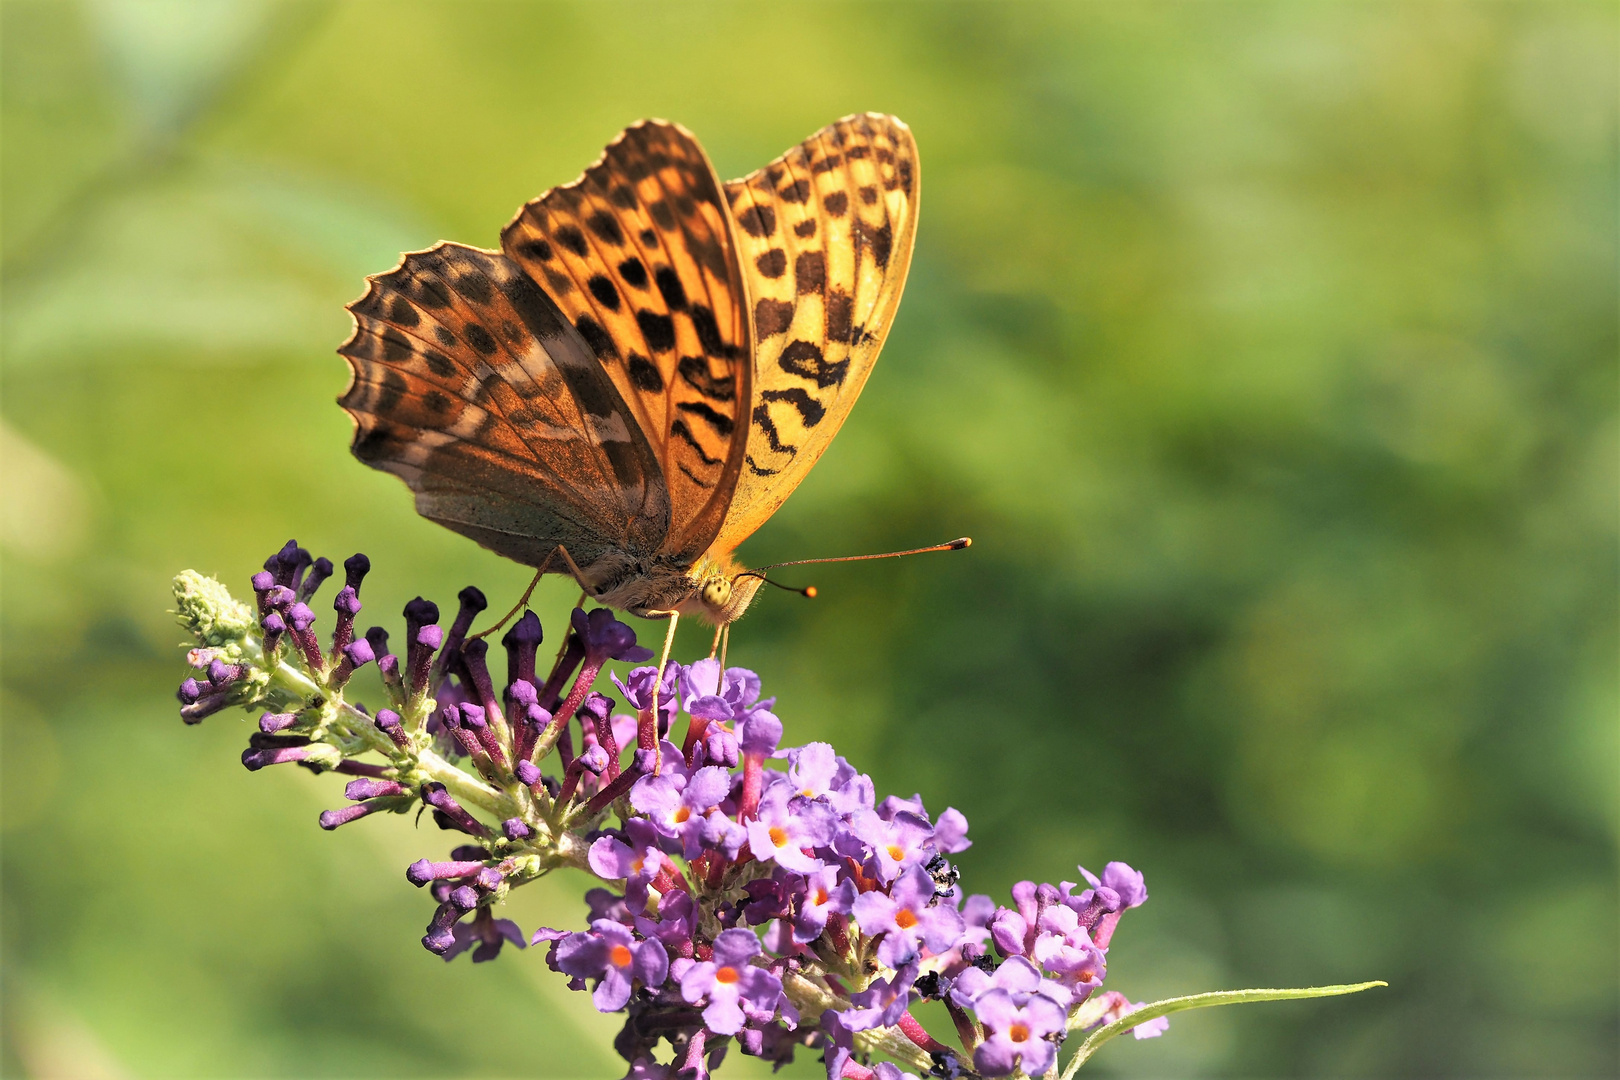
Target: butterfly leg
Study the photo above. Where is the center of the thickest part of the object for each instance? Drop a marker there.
(522, 603)
(658, 682)
(715, 648)
(725, 643)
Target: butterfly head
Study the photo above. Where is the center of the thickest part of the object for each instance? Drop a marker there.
(724, 591)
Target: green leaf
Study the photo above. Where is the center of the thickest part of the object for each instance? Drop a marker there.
(1200, 1001)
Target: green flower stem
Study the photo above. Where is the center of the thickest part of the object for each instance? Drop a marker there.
(812, 999)
(1201, 1001)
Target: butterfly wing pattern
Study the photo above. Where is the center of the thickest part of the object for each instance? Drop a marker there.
(825, 236)
(638, 254)
(651, 363)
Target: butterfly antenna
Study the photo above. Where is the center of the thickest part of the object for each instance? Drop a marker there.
(809, 591)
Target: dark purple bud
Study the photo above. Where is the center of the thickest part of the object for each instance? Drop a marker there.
(527, 772)
(319, 571)
(359, 653)
(300, 617)
(419, 613)
(270, 723)
(440, 932)
(377, 638)
(521, 642)
(272, 624)
(347, 606)
(194, 712)
(472, 602)
(420, 872)
(435, 795)
(284, 563)
(469, 853)
(280, 597)
(465, 898)
(263, 582)
(473, 662)
(594, 760)
(255, 760)
(424, 642)
(367, 788)
(388, 722)
(466, 738)
(189, 692)
(355, 569)
(472, 715)
(515, 829)
(261, 741)
(222, 674)
(331, 819)
(489, 879)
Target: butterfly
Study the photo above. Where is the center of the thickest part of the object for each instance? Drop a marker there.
(648, 366)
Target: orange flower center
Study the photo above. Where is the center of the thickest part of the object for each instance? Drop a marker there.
(819, 897)
(682, 814)
(896, 852)
(779, 836)
(905, 918)
(726, 975)
(620, 956)
(1018, 1033)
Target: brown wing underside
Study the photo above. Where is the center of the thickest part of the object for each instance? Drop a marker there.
(639, 256)
(471, 386)
(824, 239)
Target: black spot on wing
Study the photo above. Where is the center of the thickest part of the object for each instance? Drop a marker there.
(796, 192)
(758, 221)
(598, 339)
(602, 288)
(391, 392)
(773, 264)
(644, 374)
(670, 287)
(868, 194)
(805, 359)
(606, 226)
(475, 286)
(539, 250)
(659, 330)
(805, 228)
(633, 272)
(772, 317)
(839, 310)
(479, 338)
(438, 363)
(719, 421)
(836, 203)
(571, 238)
(446, 338)
(708, 331)
(402, 312)
(810, 272)
(396, 346)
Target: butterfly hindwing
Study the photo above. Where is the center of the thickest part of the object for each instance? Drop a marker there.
(639, 256)
(470, 385)
(824, 237)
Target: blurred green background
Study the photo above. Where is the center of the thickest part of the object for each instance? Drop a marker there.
(1267, 351)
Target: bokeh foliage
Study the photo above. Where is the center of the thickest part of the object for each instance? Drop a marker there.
(1267, 351)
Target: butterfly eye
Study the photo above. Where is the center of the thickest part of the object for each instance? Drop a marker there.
(717, 593)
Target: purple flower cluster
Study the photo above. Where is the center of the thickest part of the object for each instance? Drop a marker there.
(756, 894)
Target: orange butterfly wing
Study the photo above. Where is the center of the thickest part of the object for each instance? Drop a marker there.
(469, 384)
(638, 253)
(824, 238)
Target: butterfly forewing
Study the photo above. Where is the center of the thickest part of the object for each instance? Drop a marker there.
(824, 236)
(470, 385)
(639, 256)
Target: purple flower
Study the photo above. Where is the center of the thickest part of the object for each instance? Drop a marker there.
(897, 844)
(883, 1002)
(1063, 947)
(637, 862)
(906, 920)
(610, 953)
(823, 895)
(1018, 977)
(679, 806)
(488, 933)
(637, 689)
(1016, 1035)
(735, 990)
(1129, 885)
(786, 825)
